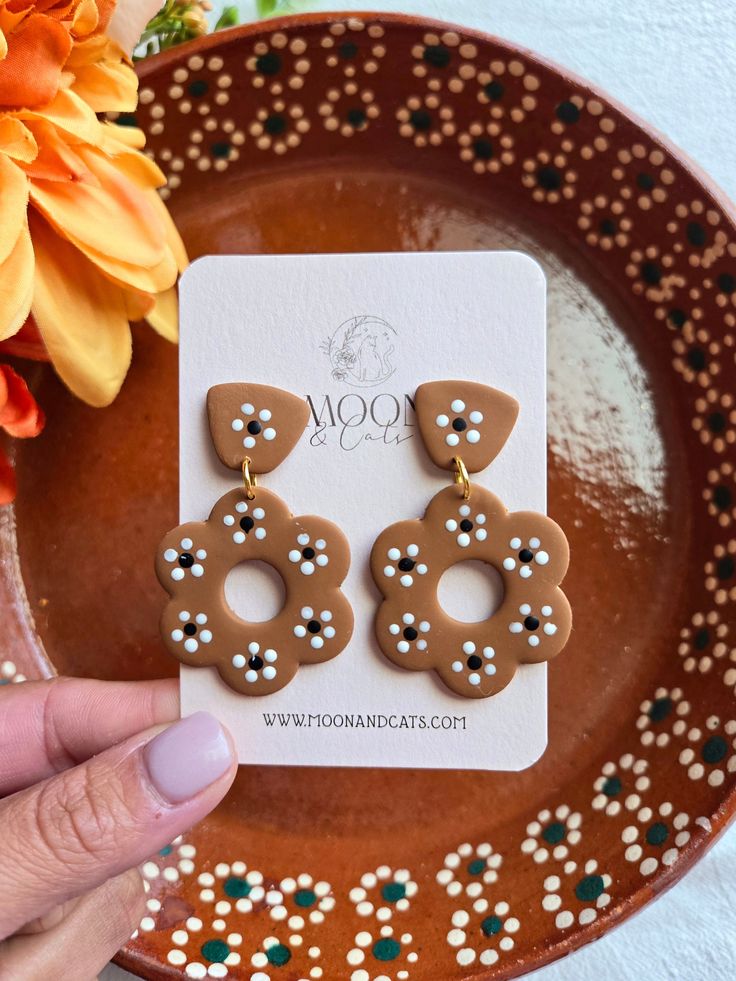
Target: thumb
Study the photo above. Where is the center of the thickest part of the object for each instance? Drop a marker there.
(71, 833)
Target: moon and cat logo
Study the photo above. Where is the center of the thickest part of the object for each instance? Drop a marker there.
(361, 351)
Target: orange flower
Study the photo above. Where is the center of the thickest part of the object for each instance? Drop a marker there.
(86, 245)
(20, 416)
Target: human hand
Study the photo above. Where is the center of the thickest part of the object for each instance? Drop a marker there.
(92, 785)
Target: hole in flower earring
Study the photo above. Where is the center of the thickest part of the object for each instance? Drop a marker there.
(464, 425)
(254, 428)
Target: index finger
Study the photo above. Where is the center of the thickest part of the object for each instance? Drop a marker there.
(49, 726)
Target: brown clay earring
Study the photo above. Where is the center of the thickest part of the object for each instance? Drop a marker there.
(254, 428)
(464, 425)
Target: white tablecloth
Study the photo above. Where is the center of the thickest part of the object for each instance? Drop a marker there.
(673, 62)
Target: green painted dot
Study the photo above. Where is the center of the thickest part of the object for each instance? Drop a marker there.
(589, 888)
(221, 151)
(356, 117)
(166, 850)
(491, 925)
(660, 709)
(236, 888)
(392, 892)
(305, 897)
(657, 834)
(494, 90)
(215, 951)
(549, 178)
(722, 498)
(645, 181)
(476, 866)
(348, 50)
(726, 283)
(278, 955)
(612, 787)
(275, 125)
(716, 422)
(420, 120)
(696, 233)
(554, 833)
(567, 112)
(437, 55)
(198, 88)
(677, 317)
(714, 749)
(697, 358)
(386, 949)
(483, 149)
(268, 64)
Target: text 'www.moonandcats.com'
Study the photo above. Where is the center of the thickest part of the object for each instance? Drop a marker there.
(353, 720)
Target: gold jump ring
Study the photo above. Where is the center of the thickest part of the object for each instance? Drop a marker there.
(461, 476)
(250, 480)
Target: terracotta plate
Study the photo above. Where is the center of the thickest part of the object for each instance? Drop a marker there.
(384, 132)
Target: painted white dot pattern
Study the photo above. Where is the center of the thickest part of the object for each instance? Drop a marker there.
(461, 423)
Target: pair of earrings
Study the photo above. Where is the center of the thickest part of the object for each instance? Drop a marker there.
(463, 425)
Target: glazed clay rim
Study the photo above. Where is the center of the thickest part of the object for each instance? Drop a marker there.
(664, 877)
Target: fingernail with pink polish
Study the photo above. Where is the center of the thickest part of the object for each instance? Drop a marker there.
(187, 757)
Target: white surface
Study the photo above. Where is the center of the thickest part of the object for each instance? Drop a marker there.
(672, 62)
(287, 308)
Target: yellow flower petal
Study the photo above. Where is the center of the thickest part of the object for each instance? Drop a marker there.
(16, 140)
(164, 317)
(115, 219)
(107, 86)
(16, 285)
(82, 318)
(128, 160)
(128, 275)
(14, 196)
(70, 114)
(172, 234)
(3, 45)
(138, 305)
(126, 136)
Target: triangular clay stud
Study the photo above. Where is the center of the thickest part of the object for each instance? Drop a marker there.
(464, 419)
(256, 421)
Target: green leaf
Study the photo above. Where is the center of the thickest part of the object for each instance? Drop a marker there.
(228, 18)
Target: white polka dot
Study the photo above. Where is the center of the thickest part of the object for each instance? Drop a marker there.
(228, 520)
(197, 570)
(294, 555)
(241, 507)
(534, 543)
(451, 524)
(412, 550)
(307, 568)
(177, 635)
(259, 514)
(452, 439)
(307, 612)
(394, 629)
(251, 676)
(525, 609)
(239, 537)
(550, 628)
(322, 560)
(515, 628)
(303, 539)
(329, 632)
(249, 442)
(442, 420)
(463, 539)
(205, 636)
(184, 616)
(265, 415)
(541, 558)
(317, 642)
(271, 655)
(533, 641)
(238, 661)
(474, 679)
(421, 569)
(406, 580)
(191, 645)
(489, 668)
(393, 554)
(177, 574)
(468, 647)
(525, 572)
(457, 666)
(247, 409)
(237, 425)
(403, 647)
(260, 534)
(389, 571)
(269, 672)
(515, 543)
(300, 631)
(509, 564)
(269, 434)
(326, 615)
(170, 554)
(472, 436)
(320, 543)
(457, 405)
(476, 417)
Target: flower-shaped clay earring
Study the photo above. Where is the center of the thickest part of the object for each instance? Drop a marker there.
(464, 425)
(254, 428)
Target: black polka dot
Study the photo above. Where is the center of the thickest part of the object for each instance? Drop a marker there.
(314, 626)
(549, 178)
(607, 226)
(308, 552)
(421, 120)
(725, 568)
(696, 234)
(254, 427)
(474, 662)
(645, 181)
(274, 125)
(221, 151)
(568, 112)
(701, 639)
(186, 560)
(406, 564)
(726, 283)
(437, 55)
(356, 118)
(531, 623)
(716, 422)
(198, 88)
(677, 317)
(494, 90)
(722, 497)
(650, 273)
(483, 149)
(459, 424)
(697, 359)
(348, 50)
(190, 629)
(410, 633)
(268, 64)
(526, 555)
(466, 525)
(255, 662)
(246, 523)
